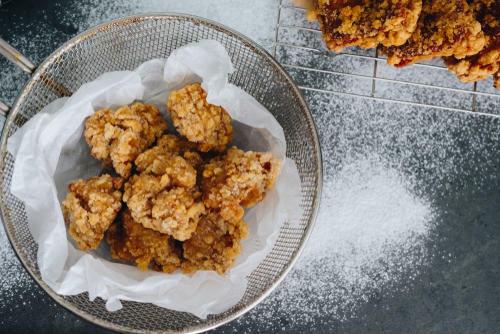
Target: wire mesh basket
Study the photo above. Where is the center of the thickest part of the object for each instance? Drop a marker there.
(123, 44)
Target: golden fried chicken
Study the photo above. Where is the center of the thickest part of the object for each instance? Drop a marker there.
(90, 207)
(130, 241)
(159, 202)
(214, 245)
(366, 23)
(175, 168)
(117, 137)
(169, 145)
(238, 179)
(496, 80)
(444, 28)
(487, 61)
(200, 122)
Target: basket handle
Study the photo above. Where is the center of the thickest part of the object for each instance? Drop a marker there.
(20, 60)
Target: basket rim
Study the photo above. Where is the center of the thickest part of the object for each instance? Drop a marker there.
(217, 26)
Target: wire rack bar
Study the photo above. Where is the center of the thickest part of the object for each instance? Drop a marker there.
(458, 90)
(381, 99)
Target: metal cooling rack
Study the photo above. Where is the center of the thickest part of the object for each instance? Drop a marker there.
(365, 74)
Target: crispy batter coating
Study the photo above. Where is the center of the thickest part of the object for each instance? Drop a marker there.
(366, 23)
(90, 207)
(445, 28)
(119, 136)
(168, 145)
(214, 245)
(238, 179)
(157, 205)
(206, 124)
(487, 61)
(174, 167)
(130, 241)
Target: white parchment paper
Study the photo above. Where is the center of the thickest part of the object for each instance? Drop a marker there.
(50, 152)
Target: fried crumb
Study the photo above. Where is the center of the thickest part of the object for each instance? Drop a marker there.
(445, 28)
(366, 23)
(90, 207)
(118, 137)
(206, 124)
(158, 205)
(487, 61)
(214, 245)
(130, 241)
(238, 179)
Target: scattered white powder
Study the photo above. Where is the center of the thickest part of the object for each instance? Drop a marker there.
(13, 277)
(367, 211)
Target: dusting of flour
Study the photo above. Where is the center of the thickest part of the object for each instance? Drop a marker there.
(12, 276)
(368, 211)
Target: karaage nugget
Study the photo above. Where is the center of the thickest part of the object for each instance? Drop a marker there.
(238, 179)
(130, 241)
(487, 61)
(157, 204)
(200, 122)
(366, 23)
(168, 145)
(90, 207)
(174, 167)
(496, 80)
(117, 137)
(214, 245)
(444, 28)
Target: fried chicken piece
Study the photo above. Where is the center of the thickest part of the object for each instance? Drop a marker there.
(445, 28)
(169, 145)
(174, 167)
(214, 245)
(90, 207)
(366, 23)
(118, 137)
(487, 61)
(130, 241)
(200, 122)
(157, 204)
(496, 80)
(238, 179)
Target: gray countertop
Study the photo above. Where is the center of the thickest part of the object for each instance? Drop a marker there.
(401, 145)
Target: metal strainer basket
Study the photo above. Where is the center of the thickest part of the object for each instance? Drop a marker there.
(123, 44)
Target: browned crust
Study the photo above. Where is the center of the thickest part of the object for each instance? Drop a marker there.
(445, 28)
(366, 23)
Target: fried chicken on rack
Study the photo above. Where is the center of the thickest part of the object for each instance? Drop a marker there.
(117, 137)
(163, 197)
(366, 23)
(487, 61)
(238, 179)
(132, 242)
(90, 207)
(444, 28)
(200, 122)
(214, 245)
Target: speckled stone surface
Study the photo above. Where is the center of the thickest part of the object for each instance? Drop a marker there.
(452, 157)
